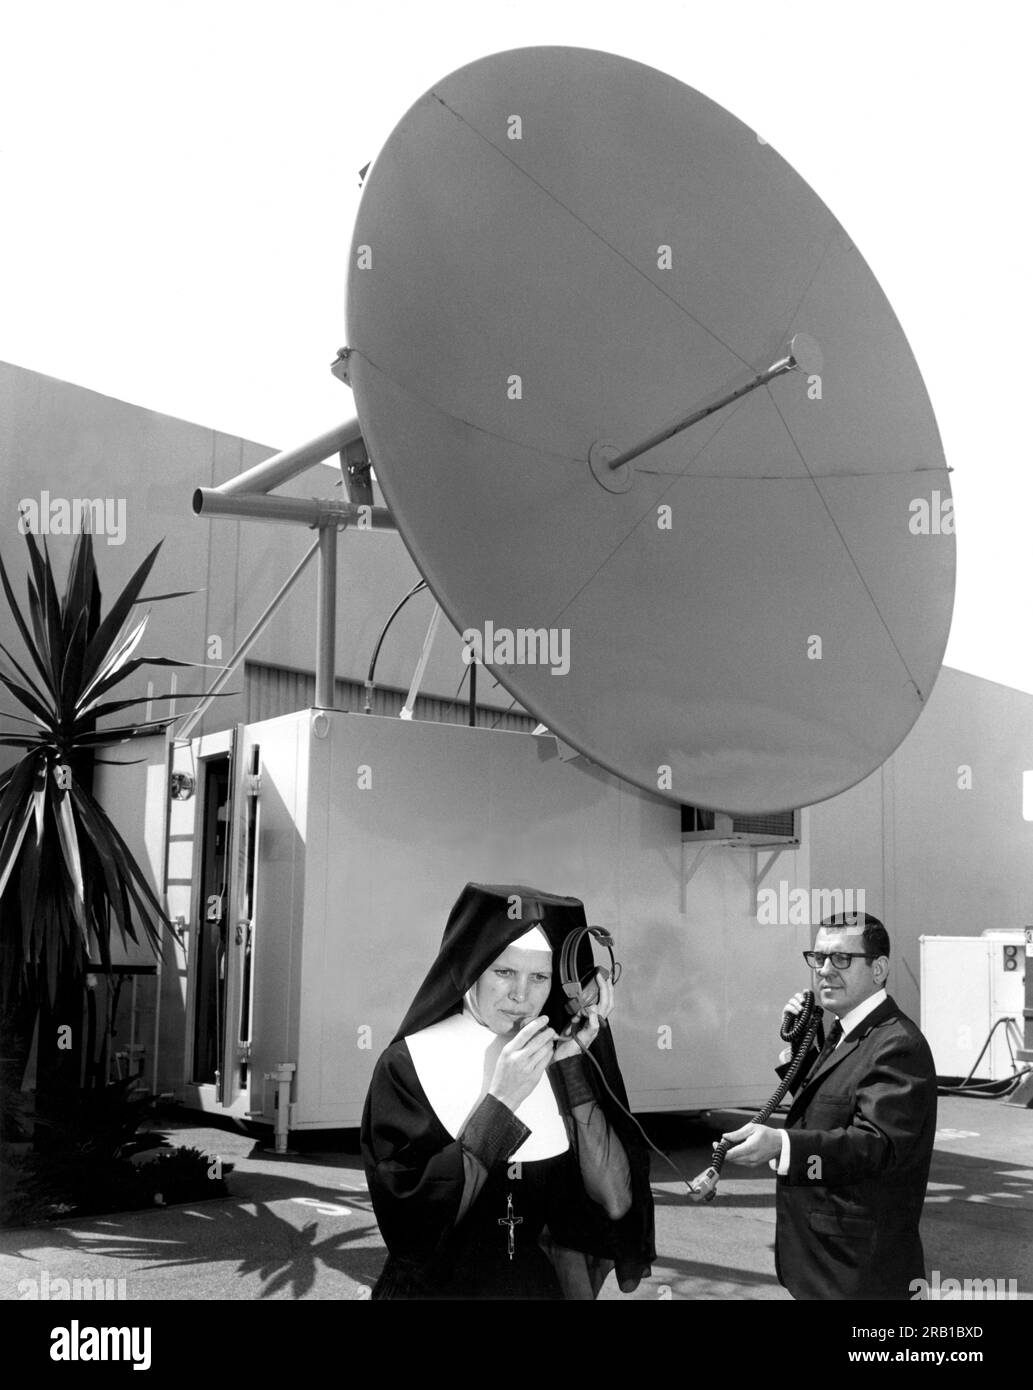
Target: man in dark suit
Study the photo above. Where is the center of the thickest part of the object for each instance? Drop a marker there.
(853, 1158)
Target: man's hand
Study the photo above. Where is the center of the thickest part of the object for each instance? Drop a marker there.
(754, 1144)
(794, 1006)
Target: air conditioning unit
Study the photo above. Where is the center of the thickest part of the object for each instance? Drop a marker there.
(779, 828)
(972, 991)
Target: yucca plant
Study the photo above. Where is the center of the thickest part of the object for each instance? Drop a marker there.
(66, 874)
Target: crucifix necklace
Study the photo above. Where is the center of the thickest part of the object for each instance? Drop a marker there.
(512, 1222)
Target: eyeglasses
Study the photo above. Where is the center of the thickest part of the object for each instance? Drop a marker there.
(840, 959)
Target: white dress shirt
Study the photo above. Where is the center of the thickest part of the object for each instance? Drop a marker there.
(849, 1022)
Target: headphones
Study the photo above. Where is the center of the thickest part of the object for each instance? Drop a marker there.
(582, 993)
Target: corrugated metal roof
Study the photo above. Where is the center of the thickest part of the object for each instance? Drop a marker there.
(274, 690)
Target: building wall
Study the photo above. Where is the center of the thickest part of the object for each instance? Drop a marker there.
(937, 835)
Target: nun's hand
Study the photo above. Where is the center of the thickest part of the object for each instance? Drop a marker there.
(586, 1026)
(522, 1063)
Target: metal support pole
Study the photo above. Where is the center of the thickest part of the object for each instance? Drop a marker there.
(288, 464)
(326, 618)
(245, 496)
(414, 689)
(282, 1074)
(197, 714)
(304, 511)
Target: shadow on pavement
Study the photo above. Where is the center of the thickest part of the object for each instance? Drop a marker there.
(242, 1228)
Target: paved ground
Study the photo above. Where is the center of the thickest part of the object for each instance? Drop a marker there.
(301, 1227)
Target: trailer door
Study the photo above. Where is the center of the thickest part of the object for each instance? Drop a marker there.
(236, 1042)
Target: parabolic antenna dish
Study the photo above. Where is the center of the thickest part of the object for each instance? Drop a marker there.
(560, 256)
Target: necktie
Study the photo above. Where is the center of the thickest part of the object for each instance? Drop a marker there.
(835, 1033)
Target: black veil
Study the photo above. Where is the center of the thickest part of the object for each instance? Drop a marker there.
(483, 922)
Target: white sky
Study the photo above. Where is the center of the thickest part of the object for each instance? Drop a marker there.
(178, 183)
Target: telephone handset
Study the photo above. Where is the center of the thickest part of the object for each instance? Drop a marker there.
(794, 1025)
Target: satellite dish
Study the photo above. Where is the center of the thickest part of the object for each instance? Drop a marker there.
(625, 378)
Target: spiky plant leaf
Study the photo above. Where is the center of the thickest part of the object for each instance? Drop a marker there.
(23, 627)
(66, 874)
(104, 637)
(102, 685)
(10, 847)
(30, 683)
(30, 701)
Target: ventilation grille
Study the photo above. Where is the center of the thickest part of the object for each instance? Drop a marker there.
(777, 827)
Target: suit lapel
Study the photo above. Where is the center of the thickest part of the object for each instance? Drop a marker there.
(834, 1058)
(886, 1010)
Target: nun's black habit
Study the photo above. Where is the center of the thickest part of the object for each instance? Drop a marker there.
(442, 1202)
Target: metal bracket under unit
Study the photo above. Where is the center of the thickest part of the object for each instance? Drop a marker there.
(687, 874)
(758, 874)
(706, 829)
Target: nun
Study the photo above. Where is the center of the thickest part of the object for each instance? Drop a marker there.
(500, 1165)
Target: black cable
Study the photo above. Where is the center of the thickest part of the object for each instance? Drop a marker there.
(623, 1108)
(964, 1088)
(990, 1090)
(573, 988)
(799, 1033)
(420, 584)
